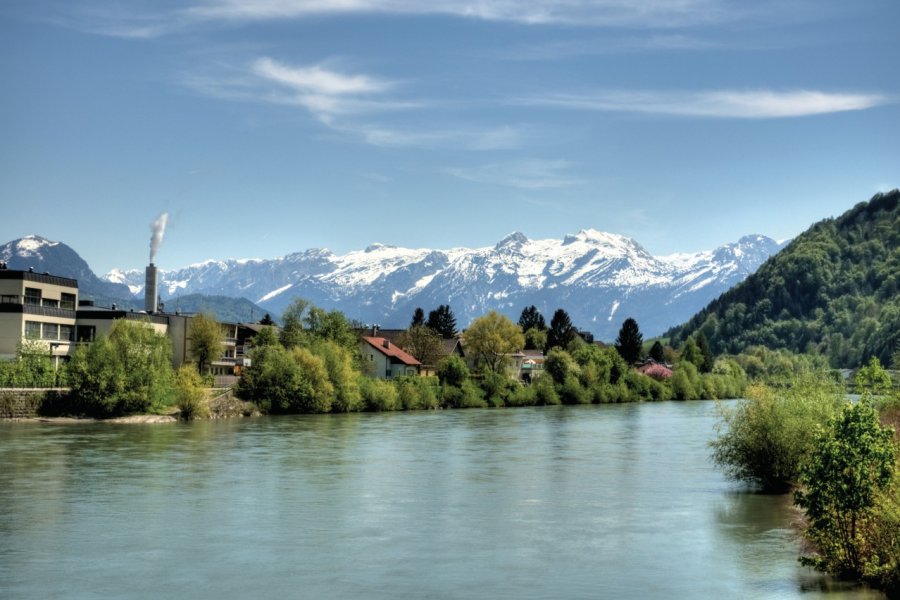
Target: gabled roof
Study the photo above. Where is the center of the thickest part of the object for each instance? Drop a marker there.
(390, 350)
(450, 346)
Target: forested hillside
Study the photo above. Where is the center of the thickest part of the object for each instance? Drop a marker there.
(834, 290)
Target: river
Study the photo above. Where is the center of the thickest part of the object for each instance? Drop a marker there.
(616, 501)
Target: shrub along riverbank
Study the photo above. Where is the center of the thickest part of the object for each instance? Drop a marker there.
(840, 458)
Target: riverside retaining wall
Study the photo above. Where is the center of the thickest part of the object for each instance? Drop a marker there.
(25, 403)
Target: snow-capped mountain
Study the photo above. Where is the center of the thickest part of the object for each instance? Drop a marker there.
(43, 255)
(599, 278)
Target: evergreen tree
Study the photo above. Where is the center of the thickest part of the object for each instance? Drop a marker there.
(267, 320)
(418, 318)
(630, 342)
(442, 321)
(531, 318)
(706, 357)
(657, 352)
(561, 331)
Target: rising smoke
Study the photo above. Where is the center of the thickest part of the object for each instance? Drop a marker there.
(158, 227)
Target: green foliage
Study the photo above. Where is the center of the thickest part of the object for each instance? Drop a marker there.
(532, 319)
(417, 393)
(491, 339)
(630, 342)
(265, 337)
(685, 381)
(442, 321)
(535, 339)
(292, 334)
(834, 290)
(379, 395)
(422, 343)
(272, 381)
(32, 367)
(315, 392)
(467, 395)
(558, 364)
(498, 388)
(561, 331)
(656, 352)
(330, 326)
(190, 395)
(206, 337)
(851, 462)
(344, 379)
(706, 357)
(127, 371)
(452, 371)
(767, 437)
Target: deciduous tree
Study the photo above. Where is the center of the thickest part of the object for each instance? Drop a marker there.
(207, 339)
(423, 343)
(491, 339)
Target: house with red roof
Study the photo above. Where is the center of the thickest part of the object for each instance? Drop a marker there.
(386, 359)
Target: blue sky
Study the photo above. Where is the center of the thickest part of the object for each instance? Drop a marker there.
(265, 127)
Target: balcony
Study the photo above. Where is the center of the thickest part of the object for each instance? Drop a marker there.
(11, 303)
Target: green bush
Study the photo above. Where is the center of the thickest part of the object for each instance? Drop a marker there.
(767, 437)
(452, 371)
(497, 388)
(851, 462)
(190, 394)
(545, 392)
(379, 395)
(127, 371)
(468, 395)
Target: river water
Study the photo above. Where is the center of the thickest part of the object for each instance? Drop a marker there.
(617, 501)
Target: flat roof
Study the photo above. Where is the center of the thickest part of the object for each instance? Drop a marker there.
(38, 277)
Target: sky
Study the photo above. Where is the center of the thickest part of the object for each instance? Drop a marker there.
(265, 127)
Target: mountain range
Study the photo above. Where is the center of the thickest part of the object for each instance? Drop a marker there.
(599, 278)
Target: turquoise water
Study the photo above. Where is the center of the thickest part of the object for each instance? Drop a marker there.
(589, 502)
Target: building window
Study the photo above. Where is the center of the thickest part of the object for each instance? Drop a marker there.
(85, 333)
(32, 330)
(33, 296)
(67, 301)
(50, 303)
(49, 331)
(66, 333)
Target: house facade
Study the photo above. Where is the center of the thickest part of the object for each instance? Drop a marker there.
(387, 360)
(40, 307)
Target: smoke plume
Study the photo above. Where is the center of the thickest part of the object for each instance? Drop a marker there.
(158, 227)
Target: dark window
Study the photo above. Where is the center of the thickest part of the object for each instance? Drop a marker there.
(67, 301)
(66, 333)
(49, 331)
(85, 333)
(33, 296)
(49, 303)
(32, 330)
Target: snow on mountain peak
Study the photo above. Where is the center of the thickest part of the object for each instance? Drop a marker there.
(31, 244)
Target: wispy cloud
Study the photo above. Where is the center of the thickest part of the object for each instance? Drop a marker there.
(733, 104)
(654, 13)
(145, 19)
(530, 174)
(477, 139)
(343, 102)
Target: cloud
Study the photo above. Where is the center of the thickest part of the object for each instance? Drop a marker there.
(149, 19)
(728, 104)
(497, 138)
(653, 13)
(530, 174)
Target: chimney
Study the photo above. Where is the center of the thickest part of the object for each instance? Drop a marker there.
(150, 297)
(374, 330)
(386, 343)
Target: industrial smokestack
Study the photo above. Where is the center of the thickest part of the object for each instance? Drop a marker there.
(158, 227)
(150, 292)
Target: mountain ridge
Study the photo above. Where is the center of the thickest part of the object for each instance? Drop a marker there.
(595, 275)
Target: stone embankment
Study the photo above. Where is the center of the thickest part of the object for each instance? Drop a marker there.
(29, 403)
